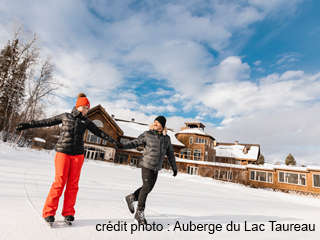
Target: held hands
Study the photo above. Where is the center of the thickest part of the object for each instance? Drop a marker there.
(22, 126)
(175, 173)
(117, 145)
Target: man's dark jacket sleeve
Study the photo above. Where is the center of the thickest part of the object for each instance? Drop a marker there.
(171, 157)
(141, 140)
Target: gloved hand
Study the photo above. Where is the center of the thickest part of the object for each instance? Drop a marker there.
(116, 145)
(175, 173)
(22, 126)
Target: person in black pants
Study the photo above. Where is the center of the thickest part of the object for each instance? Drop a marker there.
(156, 144)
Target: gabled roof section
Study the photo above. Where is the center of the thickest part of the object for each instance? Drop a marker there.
(109, 119)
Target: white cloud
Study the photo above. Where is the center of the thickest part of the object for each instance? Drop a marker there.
(288, 57)
(257, 63)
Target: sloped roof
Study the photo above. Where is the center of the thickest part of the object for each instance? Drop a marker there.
(236, 151)
(193, 131)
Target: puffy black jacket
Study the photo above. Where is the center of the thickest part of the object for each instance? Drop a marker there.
(156, 146)
(74, 125)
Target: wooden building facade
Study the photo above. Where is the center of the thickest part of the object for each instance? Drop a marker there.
(198, 145)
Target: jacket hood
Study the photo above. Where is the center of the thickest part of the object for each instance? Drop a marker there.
(164, 131)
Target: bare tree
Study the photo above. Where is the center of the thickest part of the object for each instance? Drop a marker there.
(40, 89)
(26, 80)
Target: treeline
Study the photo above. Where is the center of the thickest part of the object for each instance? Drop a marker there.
(26, 86)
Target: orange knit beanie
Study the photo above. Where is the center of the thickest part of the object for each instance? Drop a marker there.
(82, 100)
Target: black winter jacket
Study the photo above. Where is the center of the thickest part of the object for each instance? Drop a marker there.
(74, 125)
(156, 146)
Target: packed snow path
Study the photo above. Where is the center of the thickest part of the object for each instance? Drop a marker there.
(174, 206)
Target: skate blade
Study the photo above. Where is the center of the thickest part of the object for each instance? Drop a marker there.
(49, 224)
(69, 223)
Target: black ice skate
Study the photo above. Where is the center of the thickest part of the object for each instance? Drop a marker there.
(49, 220)
(128, 201)
(69, 219)
(139, 218)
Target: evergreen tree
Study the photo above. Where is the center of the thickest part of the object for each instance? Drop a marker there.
(260, 160)
(13, 69)
(290, 160)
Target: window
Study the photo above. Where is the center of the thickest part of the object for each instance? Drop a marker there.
(281, 176)
(269, 177)
(292, 178)
(223, 174)
(197, 154)
(92, 138)
(102, 154)
(186, 152)
(104, 142)
(316, 180)
(192, 170)
(252, 173)
(191, 140)
(201, 140)
(98, 123)
(261, 176)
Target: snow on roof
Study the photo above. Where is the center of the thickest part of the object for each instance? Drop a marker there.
(236, 151)
(173, 138)
(132, 129)
(312, 167)
(194, 130)
(39, 140)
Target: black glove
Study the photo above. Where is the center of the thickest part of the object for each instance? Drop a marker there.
(175, 173)
(22, 126)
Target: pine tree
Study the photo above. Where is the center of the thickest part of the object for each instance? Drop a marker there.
(290, 160)
(260, 160)
(12, 77)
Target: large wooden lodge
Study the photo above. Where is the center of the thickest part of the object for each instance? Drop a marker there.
(198, 153)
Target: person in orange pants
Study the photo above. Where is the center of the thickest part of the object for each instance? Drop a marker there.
(69, 156)
(67, 168)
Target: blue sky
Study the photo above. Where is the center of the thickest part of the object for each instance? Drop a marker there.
(247, 69)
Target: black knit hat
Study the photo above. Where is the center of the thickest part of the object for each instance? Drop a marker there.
(162, 120)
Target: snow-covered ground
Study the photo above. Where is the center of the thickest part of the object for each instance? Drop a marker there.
(174, 206)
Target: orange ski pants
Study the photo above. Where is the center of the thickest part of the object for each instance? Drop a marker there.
(68, 169)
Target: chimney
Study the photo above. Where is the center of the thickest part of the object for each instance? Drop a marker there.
(245, 150)
(236, 142)
(132, 119)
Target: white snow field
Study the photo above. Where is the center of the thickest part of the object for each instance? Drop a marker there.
(184, 207)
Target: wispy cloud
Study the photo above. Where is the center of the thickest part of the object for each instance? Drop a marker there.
(288, 57)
